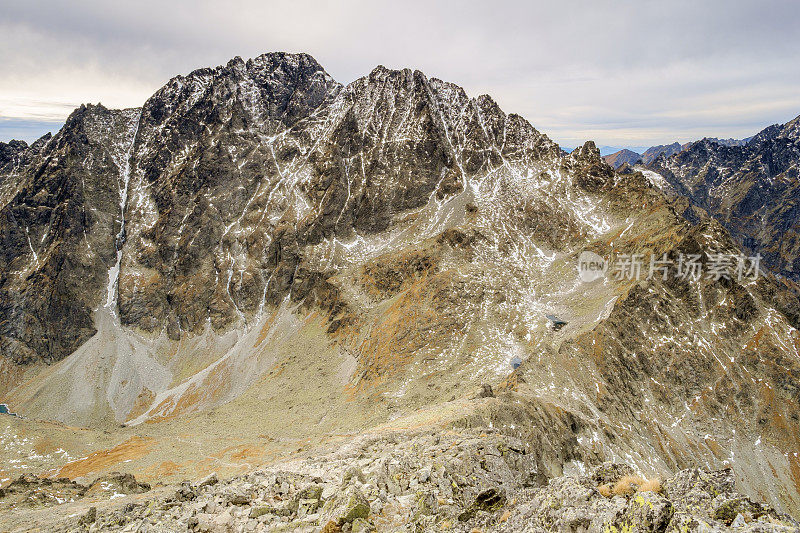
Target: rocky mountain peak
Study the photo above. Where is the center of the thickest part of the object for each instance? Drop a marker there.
(792, 129)
(272, 91)
(623, 157)
(587, 152)
(9, 151)
(654, 152)
(750, 187)
(764, 136)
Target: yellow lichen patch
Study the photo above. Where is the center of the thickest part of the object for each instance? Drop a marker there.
(624, 528)
(133, 448)
(641, 501)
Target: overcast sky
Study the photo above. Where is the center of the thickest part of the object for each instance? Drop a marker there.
(622, 73)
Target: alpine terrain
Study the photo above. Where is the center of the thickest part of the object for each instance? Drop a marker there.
(751, 188)
(358, 307)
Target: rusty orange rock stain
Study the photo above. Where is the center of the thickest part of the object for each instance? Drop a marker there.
(754, 342)
(133, 448)
(265, 329)
(163, 469)
(212, 389)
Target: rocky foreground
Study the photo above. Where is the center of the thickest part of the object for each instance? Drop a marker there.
(457, 480)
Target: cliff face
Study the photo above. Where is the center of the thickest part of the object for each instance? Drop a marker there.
(60, 205)
(213, 189)
(255, 222)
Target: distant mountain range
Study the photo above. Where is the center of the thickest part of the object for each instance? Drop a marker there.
(647, 156)
(749, 185)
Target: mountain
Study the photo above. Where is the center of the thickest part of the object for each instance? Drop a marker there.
(617, 159)
(667, 150)
(608, 150)
(730, 142)
(261, 261)
(752, 189)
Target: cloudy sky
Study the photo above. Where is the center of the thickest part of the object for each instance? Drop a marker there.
(622, 73)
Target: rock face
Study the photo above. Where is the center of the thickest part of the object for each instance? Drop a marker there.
(183, 255)
(668, 150)
(751, 188)
(57, 238)
(237, 161)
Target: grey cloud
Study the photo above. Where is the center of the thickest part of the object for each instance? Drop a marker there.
(619, 71)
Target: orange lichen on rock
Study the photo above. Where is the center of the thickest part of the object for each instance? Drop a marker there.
(133, 448)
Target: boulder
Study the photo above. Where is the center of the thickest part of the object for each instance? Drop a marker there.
(346, 507)
(649, 511)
